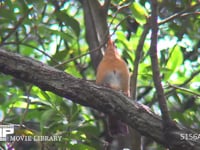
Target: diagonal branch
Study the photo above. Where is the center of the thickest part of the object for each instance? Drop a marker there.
(91, 95)
(181, 14)
(138, 54)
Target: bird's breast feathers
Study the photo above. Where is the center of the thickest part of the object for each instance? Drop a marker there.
(113, 79)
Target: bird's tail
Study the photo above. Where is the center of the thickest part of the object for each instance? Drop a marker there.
(117, 127)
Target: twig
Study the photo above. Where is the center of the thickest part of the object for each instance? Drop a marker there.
(184, 83)
(181, 13)
(191, 77)
(155, 66)
(41, 51)
(137, 61)
(116, 13)
(27, 106)
(184, 89)
(28, 45)
(16, 26)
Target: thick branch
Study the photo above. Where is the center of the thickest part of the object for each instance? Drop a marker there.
(96, 27)
(89, 94)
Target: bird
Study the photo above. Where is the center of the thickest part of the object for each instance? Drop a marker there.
(113, 72)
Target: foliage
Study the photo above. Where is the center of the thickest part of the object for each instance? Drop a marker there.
(53, 32)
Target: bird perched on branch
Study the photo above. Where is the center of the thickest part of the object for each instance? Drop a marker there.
(113, 72)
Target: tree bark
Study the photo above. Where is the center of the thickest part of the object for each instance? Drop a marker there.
(103, 99)
(95, 17)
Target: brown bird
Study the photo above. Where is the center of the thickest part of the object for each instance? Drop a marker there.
(113, 72)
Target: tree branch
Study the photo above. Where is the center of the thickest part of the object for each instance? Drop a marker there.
(175, 87)
(96, 27)
(138, 54)
(182, 13)
(155, 65)
(91, 95)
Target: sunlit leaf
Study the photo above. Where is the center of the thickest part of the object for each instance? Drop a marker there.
(174, 61)
(21, 104)
(139, 12)
(25, 132)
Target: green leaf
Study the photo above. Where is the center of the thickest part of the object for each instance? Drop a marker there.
(60, 55)
(26, 51)
(139, 13)
(89, 130)
(75, 112)
(174, 62)
(6, 13)
(69, 21)
(47, 116)
(21, 104)
(63, 35)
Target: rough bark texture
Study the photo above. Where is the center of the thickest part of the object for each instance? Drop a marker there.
(95, 17)
(91, 95)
